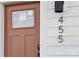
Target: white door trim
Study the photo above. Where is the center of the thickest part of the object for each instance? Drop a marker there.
(43, 29)
(1, 30)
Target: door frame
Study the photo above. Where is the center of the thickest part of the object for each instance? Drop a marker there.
(2, 4)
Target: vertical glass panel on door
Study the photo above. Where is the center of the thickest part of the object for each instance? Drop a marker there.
(23, 19)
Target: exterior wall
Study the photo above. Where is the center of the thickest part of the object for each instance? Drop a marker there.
(48, 18)
(50, 44)
(1, 30)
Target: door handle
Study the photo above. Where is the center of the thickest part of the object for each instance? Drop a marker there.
(38, 54)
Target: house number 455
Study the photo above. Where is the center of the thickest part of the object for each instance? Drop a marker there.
(60, 37)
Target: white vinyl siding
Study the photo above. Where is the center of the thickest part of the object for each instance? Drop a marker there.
(70, 44)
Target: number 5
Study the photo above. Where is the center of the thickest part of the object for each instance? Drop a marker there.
(60, 39)
(61, 29)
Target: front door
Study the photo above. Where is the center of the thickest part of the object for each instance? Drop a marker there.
(22, 29)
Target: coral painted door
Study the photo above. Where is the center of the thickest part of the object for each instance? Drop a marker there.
(22, 30)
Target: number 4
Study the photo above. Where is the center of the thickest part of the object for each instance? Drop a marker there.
(61, 19)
